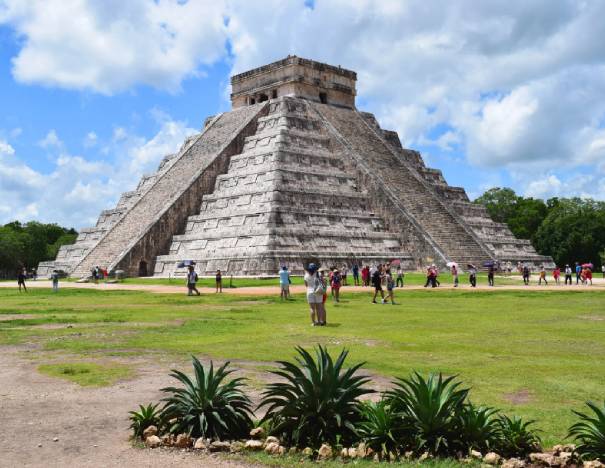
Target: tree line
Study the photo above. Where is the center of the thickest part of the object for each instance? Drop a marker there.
(567, 229)
(26, 245)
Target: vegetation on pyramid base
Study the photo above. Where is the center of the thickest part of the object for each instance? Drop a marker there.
(207, 405)
(516, 438)
(146, 416)
(589, 433)
(318, 402)
(477, 428)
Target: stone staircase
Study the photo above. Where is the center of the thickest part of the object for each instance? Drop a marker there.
(114, 249)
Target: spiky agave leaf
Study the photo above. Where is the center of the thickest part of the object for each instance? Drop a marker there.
(429, 408)
(207, 406)
(477, 428)
(381, 428)
(589, 433)
(516, 438)
(145, 417)
(318, 402)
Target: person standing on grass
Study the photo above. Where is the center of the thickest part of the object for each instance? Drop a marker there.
(355, 271)
(377, 283)
(472, 276)
(542, 276)
(335, 284)
(365, 276)
(21, 276)
(567, 274)
(526, 275)
(454, 271)
(390, 283)
(55, 279)
(578, 273)
(603, 270)
(323, 287)
(219, 281)
(490, 275)
(284, 283)
(314, 299)
(344, 273)
(400, 275)
(556, 274)
(191, 281)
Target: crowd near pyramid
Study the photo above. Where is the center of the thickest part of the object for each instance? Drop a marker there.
(293, 174)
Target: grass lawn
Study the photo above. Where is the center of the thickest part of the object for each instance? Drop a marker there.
(533, 353)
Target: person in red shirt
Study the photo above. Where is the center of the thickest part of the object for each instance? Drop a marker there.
(556, 274)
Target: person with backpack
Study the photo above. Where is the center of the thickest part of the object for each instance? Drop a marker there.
(335, 283)
(284, 283)
(390, 282)
(191, 281)
(377, 283)
(472, 276)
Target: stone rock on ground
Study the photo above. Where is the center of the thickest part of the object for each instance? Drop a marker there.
(492, 458)
(200, 444)
(352, 452)
(168, 440)
(153, 441)
(237, 446)
(150, 431)
(257, 433)
(307, 451)
(272, 448)
(325, 452)
(513, 463)
(476, 454)
(219, 446)
(593, 464)
(271, 440)
(361, 450)
(544, 459)
(253, 445)
(344, 453)
(183, 441)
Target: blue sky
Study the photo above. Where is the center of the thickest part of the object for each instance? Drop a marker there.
(94, 94)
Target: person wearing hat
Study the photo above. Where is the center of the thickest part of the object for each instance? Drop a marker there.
(567, 274)
(315, 292)
(191, 281)
(284, 283)
(335, 283)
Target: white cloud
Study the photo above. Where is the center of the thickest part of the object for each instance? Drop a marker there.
(5, 148)
(112, 45)
(51, 140)
(75, 191)
(90, 140)
(119, 134)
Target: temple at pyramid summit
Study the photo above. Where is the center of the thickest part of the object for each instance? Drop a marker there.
(293, 173)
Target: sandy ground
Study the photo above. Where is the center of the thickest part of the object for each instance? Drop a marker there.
(91, 424)
(598, 283)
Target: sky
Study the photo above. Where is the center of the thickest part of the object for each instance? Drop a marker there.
(94, 94)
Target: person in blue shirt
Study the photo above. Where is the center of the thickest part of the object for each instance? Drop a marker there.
(578, 272)
(284, 283)
(356, 274)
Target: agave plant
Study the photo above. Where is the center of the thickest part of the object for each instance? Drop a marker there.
(146, 416)
(318, 402)
(429, 408)
(589, 433)
(207, 406)
(516, 438)
(477, 428)
(380, 428)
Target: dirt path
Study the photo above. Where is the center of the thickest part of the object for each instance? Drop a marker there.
(91, 424)
(598, 283)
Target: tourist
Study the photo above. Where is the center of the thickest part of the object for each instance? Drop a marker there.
(321, 309)
(343, 274)
(556, 273)
(578, 272)
(390, 283)
(377, 283)
(472, 275)
(335, 284)
(454, 271)
(568, 274)
(314, 292)
(21, 276)
(55, 279)
(355, 270)
(431, 277)
(284, 283)
(490, 274)
(34, 274)
(436, 277)
(191, 281)
(400, 276)
(603, 270)
(542, 276)
(219, 281)
(526, 275)
(365, 275)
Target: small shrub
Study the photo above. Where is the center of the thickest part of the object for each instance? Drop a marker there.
(516, 439)
(318, 402)
(429, 409)
(146, 416)
(207, 406)
(589, 433)
(477, 428)
(380, 428)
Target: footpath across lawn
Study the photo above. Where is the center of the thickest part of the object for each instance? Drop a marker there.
(533, 353)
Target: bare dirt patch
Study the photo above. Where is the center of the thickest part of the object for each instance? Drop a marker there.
(594, 318)
(520, 397)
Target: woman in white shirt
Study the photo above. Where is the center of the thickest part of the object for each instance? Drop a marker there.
(314, 297)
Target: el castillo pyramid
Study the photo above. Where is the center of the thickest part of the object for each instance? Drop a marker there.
(293, 173)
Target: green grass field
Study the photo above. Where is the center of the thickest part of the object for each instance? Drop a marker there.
(537, 354)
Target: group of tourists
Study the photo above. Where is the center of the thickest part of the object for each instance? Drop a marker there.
(583, 274)
(192, 279)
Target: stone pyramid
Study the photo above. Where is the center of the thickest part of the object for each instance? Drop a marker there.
(293, 173)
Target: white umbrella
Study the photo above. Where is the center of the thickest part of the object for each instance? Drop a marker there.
(452, 264)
